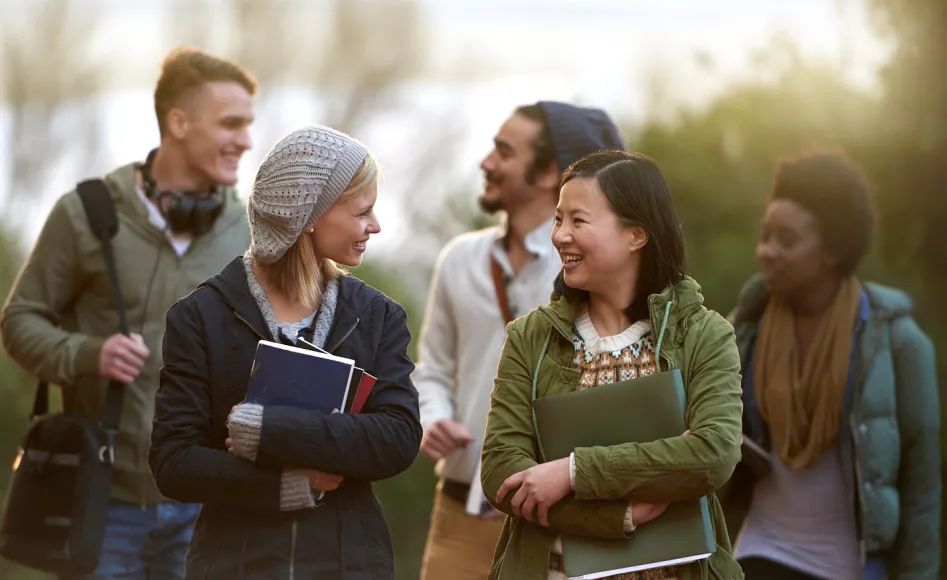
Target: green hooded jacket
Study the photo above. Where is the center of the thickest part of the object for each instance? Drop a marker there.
(699, 342)
(60, 309)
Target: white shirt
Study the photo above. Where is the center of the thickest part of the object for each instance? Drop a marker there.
(180, 242)
(463, 331)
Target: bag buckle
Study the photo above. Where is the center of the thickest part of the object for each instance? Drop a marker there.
(107, 451)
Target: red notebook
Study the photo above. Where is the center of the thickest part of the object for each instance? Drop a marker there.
(359, 390)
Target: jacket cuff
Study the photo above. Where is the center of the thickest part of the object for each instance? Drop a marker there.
(244, 425)
(583, 488)
(86, 363)
(294, 492)
(629, 522)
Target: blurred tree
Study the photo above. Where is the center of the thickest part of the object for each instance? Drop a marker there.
(352, 56)
(16, 391)
(51, 81)
(719, 161)
(913, 162)
(911, 168)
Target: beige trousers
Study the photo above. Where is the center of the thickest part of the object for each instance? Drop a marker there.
(459, 546)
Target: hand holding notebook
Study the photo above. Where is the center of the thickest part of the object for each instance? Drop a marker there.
(640, 410)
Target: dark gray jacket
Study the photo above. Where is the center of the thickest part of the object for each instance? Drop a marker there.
(209, 346)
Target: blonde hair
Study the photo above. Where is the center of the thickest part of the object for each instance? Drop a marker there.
(300, 273)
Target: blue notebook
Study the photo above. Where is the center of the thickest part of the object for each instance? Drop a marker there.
(296, 377)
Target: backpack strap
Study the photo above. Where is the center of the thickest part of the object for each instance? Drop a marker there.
(100, 211)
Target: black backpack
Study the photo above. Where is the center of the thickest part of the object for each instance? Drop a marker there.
(57, 503)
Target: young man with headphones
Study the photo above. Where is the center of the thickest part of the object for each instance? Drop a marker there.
(180, 222)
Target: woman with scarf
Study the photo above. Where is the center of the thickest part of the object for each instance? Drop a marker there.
(840, 395)
(286, 492)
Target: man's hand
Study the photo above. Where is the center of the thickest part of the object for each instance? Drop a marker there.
(122, 357)
(442, 437)
(322, 481)
(540, 488)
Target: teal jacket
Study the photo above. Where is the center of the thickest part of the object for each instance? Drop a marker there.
(60, 309)
(892, 427)
(699, 342)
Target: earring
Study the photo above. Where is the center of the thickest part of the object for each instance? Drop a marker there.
(312, 230)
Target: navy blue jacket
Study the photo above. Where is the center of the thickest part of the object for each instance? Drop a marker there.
(209, 346)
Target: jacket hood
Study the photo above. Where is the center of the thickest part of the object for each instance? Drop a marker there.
(232, 286)
(122, 186)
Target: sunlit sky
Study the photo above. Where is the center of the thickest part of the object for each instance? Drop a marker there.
(636, 59)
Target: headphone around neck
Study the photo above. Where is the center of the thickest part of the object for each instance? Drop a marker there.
(185, 211)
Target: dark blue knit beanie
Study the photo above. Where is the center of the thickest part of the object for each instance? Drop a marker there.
(578, 131)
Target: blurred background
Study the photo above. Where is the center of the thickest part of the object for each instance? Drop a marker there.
(716, 92)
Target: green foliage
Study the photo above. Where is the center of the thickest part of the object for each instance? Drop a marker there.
(16, 390)
(719, 162)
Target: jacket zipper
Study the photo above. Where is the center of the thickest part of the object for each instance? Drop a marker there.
(853, 427)
(859, 498)
(249, 325)
(345, 336)
(292, 552)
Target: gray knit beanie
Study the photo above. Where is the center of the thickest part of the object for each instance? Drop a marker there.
(297, 182)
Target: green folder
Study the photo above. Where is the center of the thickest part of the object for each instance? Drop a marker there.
(640, 410)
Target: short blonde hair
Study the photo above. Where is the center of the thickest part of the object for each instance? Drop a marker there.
(300, 273)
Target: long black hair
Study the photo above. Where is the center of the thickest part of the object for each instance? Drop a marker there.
(639, 196)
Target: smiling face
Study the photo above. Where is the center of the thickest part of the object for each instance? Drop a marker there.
(506, 166)
(599, 253)
(790, 252)
(213, 129)
(342, 233)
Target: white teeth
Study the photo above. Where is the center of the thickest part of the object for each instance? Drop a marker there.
(571, 258)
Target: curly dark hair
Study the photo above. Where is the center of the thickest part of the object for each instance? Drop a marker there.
(835, 190)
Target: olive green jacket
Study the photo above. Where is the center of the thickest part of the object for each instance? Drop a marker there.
(699, 342)
(60, 310)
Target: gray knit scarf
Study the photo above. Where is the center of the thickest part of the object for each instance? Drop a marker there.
(325, 316)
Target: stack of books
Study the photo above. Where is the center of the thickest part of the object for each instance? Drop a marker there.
(307, 377)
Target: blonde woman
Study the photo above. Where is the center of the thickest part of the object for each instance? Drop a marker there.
(261, 471)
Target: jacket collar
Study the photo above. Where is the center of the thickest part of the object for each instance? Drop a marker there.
(232, 286)
(882, 302)
(123, 181)
(685, 299)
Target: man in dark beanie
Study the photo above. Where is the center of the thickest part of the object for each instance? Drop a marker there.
(483, 280)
